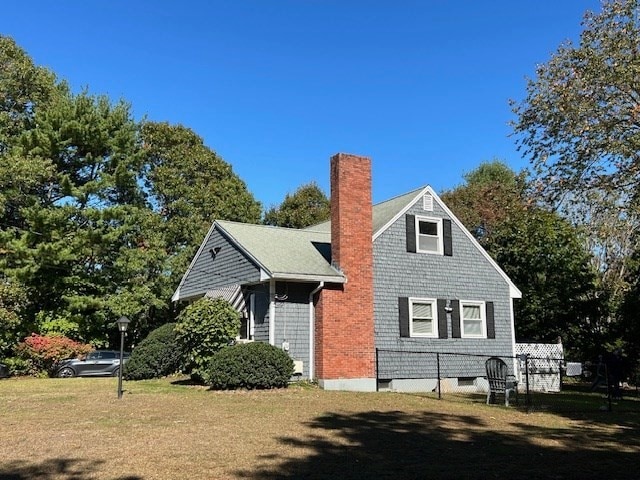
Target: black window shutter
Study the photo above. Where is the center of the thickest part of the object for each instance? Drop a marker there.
(442, 318)
(411, 233)
(455, 319)
(403, 309)
(446, 237)
(491, 323)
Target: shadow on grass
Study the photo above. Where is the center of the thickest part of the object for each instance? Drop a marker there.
(399, 445)
(57, 468)
(577, 402)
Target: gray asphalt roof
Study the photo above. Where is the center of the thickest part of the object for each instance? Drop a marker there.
(285, 252)
(302, 253)
(382, 212)
(305, 254)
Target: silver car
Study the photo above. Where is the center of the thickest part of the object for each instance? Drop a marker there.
(99, 363)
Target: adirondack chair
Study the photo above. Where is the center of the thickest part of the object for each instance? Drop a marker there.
(500, 382)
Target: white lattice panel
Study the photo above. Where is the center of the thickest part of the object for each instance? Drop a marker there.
(545, 362)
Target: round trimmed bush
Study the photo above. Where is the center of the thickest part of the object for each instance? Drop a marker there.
(254, 365)
(156, 356)
(203, 328)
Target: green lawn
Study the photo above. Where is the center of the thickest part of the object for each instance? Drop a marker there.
(78, 429)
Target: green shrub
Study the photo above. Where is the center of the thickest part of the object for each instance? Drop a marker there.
(156, 356)
(250, 365)
(44, 351)
(203, 328)
(19, 367)
(13, 301)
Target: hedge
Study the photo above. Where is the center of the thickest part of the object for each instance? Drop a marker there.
(156, 356)
(253, 365)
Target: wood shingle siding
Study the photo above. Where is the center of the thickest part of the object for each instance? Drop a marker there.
(207, 272)
(467, 275)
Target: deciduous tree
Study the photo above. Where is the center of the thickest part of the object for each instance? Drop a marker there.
(543, 254)
(579, 124)
(580, 121)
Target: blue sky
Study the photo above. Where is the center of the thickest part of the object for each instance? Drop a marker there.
(277, 86)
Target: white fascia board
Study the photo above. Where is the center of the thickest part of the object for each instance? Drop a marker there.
(309, 277)
(264, 275)
(176, 295)
(189, 299)
(514, 292)
(401, 212)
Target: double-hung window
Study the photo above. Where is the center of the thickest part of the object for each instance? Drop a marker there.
(473, 319)
(429, 235)
(429, 232)
(423, 318)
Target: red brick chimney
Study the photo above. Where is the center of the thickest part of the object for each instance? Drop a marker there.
(345, 351)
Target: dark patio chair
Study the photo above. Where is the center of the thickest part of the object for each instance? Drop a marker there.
(500, 382)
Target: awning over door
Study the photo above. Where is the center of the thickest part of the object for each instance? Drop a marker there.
(232, 294)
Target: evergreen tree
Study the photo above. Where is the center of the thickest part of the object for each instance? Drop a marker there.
(308, 205)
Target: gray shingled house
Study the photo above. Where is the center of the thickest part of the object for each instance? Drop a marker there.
(398, 277)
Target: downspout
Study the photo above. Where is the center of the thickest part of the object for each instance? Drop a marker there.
(272, 312)
(312, 326)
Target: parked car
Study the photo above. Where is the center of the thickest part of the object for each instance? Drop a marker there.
(99, 363)
(4, 371)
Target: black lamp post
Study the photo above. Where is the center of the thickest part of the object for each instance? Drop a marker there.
(123, 323)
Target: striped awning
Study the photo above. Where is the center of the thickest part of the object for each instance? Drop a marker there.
(230, 293)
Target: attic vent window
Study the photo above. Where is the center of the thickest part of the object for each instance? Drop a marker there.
(427, 202)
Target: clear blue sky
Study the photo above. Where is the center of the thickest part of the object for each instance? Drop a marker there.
(278, 86)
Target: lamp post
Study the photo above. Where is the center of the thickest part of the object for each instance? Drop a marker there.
(123, 323)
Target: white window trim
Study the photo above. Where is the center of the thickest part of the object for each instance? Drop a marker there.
(483, 318)
(434, 309)
(438, 222)
(251, 323)
(251, 330)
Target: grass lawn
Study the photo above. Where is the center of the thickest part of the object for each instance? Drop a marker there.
(77, 429)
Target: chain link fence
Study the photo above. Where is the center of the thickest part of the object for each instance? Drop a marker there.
(538, 383)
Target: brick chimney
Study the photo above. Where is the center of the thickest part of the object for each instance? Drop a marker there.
(345, 351)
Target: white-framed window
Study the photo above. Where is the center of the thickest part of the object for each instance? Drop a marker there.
(473, 319)
(423, 317)
(247, 321)
(429, 235)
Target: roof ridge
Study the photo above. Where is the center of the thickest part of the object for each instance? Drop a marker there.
(261, 225)
(414, 191)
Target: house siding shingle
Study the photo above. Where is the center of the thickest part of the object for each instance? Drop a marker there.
(292, 320)
(466, 275)
(261, 315)
(229, 266)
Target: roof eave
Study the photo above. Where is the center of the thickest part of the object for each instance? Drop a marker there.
(308, 277)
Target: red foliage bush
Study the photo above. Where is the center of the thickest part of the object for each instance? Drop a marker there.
(44, 351)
